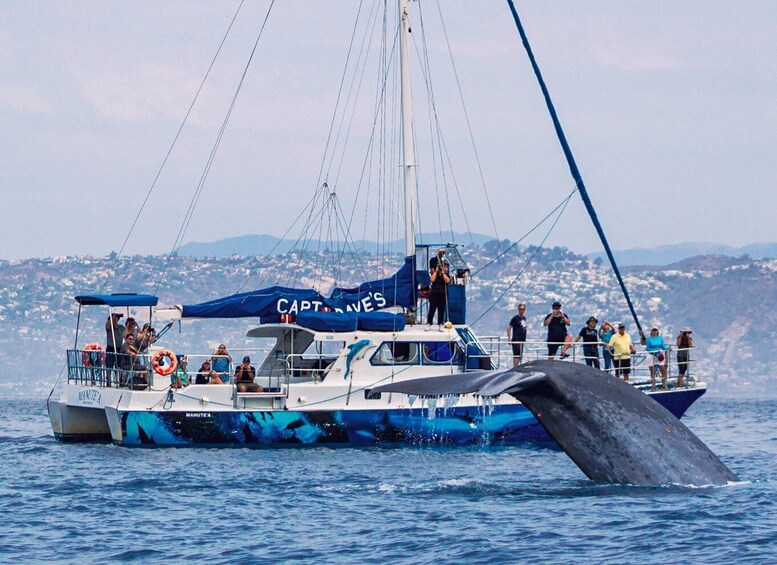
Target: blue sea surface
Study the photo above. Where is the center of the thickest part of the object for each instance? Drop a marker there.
(101, 503)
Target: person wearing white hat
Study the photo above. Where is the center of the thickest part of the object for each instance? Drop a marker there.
(684, 344)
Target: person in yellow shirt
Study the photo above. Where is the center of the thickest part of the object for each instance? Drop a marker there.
(622, 349)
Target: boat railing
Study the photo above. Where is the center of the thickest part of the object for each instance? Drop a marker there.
(643, 363)
(90, 367)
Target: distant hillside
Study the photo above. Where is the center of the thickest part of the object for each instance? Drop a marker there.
(267, 244)
(728, 303)
(667, 254)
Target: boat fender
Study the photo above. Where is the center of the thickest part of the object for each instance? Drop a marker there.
(167, 369)
(93, 354)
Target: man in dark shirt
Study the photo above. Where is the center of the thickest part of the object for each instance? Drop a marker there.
(557, 323)
(516, 333)
(245, 375)
(590, 342)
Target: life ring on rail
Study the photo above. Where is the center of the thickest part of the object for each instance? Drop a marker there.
(93, 354)
(164, 370)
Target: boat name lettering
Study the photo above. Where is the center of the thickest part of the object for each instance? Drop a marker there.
(90, 396)
(369, 303)
(199, 415)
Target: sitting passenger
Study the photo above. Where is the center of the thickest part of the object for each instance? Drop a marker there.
(206, 376)
(180, 378)
(244, 377)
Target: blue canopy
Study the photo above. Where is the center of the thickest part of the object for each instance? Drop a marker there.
(118, 299)
(397, 290)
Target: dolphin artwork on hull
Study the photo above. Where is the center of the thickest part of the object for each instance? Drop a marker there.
(613, 432)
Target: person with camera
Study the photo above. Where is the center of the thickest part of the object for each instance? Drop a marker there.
(684, 343)
(438, 298)
(245, 375)
(145, 337)
(220, 361)
(557, 323)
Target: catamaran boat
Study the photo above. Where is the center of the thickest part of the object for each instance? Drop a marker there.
(322, 356)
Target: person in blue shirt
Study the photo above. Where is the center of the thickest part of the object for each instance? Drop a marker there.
(221, 361)
(606, 331)
(657, 349)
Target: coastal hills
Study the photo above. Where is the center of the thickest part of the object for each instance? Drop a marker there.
(263, 244)
(726, 301)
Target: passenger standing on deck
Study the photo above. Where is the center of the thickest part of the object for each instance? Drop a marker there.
(590, 342)
(438, 299)
(557, 323)
(115, 338)
(516, 333)
(684, 343)
(659, 351)
(606, 331)
(622, 348)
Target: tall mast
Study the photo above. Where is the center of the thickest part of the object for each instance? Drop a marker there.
(408, 153)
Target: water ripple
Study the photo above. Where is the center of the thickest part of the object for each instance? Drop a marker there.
(103, 504)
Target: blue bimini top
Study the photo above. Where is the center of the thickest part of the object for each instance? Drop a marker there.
(118, 299)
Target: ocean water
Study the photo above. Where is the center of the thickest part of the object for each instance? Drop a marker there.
(100, 503)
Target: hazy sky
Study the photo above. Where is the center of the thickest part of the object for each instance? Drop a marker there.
(669, 107)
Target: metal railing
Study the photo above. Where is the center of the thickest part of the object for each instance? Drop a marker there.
(499, 350)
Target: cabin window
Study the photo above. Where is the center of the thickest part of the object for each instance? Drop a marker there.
(396, 353)
(438, 352)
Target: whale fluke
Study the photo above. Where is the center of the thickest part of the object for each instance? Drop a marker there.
(612, 431)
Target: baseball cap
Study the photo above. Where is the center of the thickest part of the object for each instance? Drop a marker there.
(246, 359)
(557, 305)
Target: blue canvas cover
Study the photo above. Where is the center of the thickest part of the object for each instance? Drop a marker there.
(265, 302)
(397, 290)
(381, 321)
(327, 321)
(118, 299)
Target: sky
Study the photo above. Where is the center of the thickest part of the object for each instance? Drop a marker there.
(669, 108)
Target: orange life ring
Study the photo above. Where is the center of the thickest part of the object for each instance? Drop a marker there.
(164, 370)
(88, 358)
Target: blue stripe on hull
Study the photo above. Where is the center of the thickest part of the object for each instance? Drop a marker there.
(507, 424)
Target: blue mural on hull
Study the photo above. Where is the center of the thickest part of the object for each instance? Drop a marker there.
(455, 426)
(506, 424)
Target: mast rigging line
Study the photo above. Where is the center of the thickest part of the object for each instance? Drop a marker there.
(175, 140)
(573, 166)
(469, 125)
(211, 158)
(528, 233)
(159, 171)
(530, 259)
